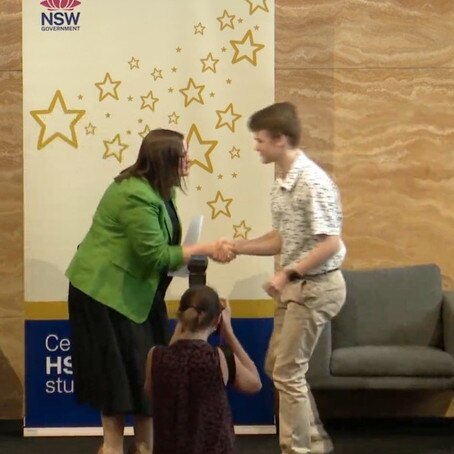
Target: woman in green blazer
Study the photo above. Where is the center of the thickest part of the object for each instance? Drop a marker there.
(118, 279)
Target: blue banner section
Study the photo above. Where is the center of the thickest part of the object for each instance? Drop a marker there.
(49, 387)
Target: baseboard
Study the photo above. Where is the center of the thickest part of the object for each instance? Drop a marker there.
(97, 431)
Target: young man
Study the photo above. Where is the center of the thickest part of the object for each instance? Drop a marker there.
(308, 287)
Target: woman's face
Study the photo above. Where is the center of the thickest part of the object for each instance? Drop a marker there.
(184, 161)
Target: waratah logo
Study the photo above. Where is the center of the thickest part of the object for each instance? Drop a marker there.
(65, 5)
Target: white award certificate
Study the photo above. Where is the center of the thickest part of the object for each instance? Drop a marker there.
(192, 237)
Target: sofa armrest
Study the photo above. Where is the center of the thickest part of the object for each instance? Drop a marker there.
(448, 321)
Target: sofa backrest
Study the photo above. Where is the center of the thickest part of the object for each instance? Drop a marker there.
(390, 306)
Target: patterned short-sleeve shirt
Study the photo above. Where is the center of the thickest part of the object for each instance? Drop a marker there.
(304, 204)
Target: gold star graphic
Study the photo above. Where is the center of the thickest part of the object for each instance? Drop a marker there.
(209, 63)
(170, 90)
(254, 5)
(57, 122)
(108, 87)
(219, 206)
(114, 148)
(90, 129)
(191, 90)
(212, 93)
(107, 115)
(240, 21)
(174, 69)
(220, 176)
(178, 49)
(130, 98)
(225, 19)
(199, 188)
(145, 131)
(223, 49)
(229, 81)
(250, 49)
(227, 118)
(234, 175)
(199, 29)
(241, 230)
(207, 145)
(157, 74)
(256, 27)
(133, 63)
(149, 101)
(173, 118)
(81, 97)
(234, 152)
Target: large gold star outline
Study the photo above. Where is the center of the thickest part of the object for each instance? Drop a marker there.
(56, 109)
(209, 63)
(189, 97)
(112, 144)
(212, 144)
(229, 123)
(238, 56)
(225, 19)
(149, 101)
(225, 203)
(241, 230)
(108, 87)
(254, 5)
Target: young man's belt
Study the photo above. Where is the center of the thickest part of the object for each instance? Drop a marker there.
(294, 276)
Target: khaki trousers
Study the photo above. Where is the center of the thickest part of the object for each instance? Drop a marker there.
(302, 311)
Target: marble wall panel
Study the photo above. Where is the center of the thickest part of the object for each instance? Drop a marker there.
(11, 367)
(10, 35)
(394, 160)
(11, 202)
(364, 34)
(387, 137)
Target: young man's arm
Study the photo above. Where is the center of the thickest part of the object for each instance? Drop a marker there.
(326, 248)
(268, 244)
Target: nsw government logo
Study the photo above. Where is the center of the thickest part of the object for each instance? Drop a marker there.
(60, 16)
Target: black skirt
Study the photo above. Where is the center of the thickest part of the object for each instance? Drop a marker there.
(109, 352)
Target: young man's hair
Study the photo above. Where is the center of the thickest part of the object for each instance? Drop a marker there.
(200, 308)
(277, 119)
(158, 161)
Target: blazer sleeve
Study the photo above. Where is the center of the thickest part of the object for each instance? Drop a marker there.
(140, 216)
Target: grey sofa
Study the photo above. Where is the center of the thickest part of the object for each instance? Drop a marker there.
(395, 331)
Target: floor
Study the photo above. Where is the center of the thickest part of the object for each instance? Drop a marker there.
(390, 436)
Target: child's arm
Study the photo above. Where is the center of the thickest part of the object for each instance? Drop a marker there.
(247, 378)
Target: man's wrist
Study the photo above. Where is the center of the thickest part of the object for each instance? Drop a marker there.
(292, 274)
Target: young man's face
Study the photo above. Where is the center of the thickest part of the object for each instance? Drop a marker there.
(268, 147)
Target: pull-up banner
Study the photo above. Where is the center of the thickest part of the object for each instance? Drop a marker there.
(98, 75)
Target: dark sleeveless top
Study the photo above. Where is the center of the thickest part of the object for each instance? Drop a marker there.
(191, 413)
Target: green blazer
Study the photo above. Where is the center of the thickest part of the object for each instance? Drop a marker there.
(126, 250)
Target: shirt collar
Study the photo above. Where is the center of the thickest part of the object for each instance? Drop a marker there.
(292, 175)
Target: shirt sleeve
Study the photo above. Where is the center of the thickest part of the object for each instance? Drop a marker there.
(325, 209)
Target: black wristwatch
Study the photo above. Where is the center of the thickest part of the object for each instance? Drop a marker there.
(293, 275)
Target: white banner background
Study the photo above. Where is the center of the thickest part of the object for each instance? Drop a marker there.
(92, 91)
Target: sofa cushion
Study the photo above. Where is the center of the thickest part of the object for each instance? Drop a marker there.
(391, 306)
(394, 361)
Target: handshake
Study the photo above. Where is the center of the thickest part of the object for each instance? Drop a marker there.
(224, 250)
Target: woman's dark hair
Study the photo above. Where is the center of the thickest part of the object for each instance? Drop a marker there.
(158, 161)
(199, 308)
(278, 119)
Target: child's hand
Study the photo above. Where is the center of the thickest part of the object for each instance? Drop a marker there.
(226, 317)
